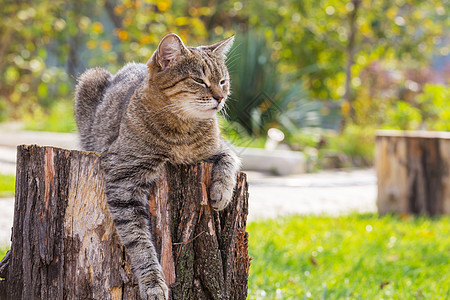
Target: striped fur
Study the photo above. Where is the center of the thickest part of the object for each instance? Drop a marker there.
(145, 116)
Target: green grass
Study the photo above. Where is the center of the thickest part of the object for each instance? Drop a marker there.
(7, 185)
(59, 118)
(3, 250)
(350, 257)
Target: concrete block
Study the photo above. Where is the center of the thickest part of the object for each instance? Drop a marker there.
(280, 162)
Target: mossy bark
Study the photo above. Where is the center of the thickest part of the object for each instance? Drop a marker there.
(64, 244)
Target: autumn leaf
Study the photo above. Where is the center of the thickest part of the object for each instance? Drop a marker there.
(383, 284)
(313, 261)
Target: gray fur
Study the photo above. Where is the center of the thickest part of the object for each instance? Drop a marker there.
(145, 116)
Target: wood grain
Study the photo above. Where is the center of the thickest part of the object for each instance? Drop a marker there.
(64, 243)
(413, 172)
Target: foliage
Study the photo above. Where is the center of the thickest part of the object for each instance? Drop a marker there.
(354, 146)
(356, 142)
(428, 110)
(235, 134)
(306, 138)
(3, 250)
(316, 33)
(45, 45)
(403, 115)
(262, 97)
(300, 46)
(60, 118)
(34, 37)
(351, 257)
(7, 185)
(434, 104)
(400, 98)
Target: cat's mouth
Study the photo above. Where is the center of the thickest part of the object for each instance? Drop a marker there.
(212, 108)
(207, 113)
(211, 111)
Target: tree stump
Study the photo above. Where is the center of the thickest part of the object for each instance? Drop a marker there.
(413, 171)
(64, 243)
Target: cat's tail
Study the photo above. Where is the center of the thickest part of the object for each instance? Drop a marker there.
(88, 94)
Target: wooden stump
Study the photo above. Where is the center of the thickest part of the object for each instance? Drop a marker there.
(64, 243)
(413, 170)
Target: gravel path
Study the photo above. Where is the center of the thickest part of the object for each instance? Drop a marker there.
(328, 193)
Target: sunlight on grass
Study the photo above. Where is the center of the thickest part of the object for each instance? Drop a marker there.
(7, 185)
(3, 250)
(349, 257)
(60, 118)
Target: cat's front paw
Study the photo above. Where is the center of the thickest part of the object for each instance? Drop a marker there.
(221, 194)
(157, 293)
(154, 289)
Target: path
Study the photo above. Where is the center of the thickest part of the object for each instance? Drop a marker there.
(327, 192)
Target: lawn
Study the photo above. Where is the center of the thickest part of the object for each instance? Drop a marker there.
(350, 257)
(7, 185)
(3, 250)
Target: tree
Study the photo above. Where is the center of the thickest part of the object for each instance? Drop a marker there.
(343, 37)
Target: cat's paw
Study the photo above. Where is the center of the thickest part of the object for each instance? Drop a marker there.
(221, 194)
(154, 289)
(157, 293)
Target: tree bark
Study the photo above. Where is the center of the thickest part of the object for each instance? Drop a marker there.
(350, 51)
(64, 243)
(413, 171)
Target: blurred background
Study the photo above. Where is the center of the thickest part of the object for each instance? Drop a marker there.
(312, 79)
(326, 73)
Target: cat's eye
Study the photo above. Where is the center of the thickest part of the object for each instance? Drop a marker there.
(198, 80)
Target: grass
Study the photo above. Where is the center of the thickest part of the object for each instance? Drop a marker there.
(3, 250)
(7, 185)
(59, 118)
(350, 257)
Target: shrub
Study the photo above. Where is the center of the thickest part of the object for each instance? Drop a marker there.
(434, 104)
(356, 142)
(262, 97)
(402, 115)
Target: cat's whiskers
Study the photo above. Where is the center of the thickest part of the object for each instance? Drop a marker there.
(165, 109)
(190, 112)
(232, 61)
(233, 56)
(224, 110)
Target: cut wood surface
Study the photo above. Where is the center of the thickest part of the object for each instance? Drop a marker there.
(413, 171)
(64, 243)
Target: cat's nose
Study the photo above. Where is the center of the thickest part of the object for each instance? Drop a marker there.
(218, 98)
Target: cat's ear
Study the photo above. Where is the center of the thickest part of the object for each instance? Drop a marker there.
(170, 49)
(222, 47)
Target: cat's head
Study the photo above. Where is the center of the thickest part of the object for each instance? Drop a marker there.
(194, 79)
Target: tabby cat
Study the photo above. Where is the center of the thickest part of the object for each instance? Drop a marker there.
(147, 115)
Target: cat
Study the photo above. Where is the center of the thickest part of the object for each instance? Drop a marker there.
(147, 115)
